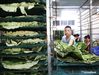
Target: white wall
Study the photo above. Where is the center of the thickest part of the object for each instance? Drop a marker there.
(68, 14)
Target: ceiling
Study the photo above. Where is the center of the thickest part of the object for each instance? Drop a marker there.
(70, 2)
(74, 2)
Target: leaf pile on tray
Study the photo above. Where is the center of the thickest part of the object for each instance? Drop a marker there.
(74, 53)
(21, 50)
(23, 63)
(22, 6)
(23, 42)
(14, 25)
(21, 33)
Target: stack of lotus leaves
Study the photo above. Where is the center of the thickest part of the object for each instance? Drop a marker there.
(20, 33)
(23, 26)
(14, 25)
(73, 54)
(22, 6)
(23, 63)
(10, 43)
(22, 50)
(23, 19)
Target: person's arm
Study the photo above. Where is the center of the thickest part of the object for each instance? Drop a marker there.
(71, 42)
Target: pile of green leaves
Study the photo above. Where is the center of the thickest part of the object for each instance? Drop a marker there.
(74, 53)
(62, 48)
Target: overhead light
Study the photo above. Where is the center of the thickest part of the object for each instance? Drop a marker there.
(53, 0)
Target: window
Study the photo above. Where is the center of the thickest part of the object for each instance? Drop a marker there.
(56, 23)
(70, 22)
(63, 22)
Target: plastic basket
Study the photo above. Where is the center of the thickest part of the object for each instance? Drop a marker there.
(95, 50)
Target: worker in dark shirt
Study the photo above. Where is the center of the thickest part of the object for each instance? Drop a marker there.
(87, 42)
(77, 38)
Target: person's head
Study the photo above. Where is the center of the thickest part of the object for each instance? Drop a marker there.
(87, 38)
(67, 31)
(76, 36)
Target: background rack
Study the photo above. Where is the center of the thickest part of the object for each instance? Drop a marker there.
(56, 67)
(40, 16)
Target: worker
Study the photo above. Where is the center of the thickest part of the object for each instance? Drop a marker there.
(87, 42)
(68, 38)
(77, 38)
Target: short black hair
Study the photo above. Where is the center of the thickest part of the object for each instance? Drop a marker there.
(76, 35)
(68, 27)
(87, 36)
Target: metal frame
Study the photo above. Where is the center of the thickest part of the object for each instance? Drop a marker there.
(80, 23)
(85, 18)
(48, 36)
(89, 16)
(50, 29)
